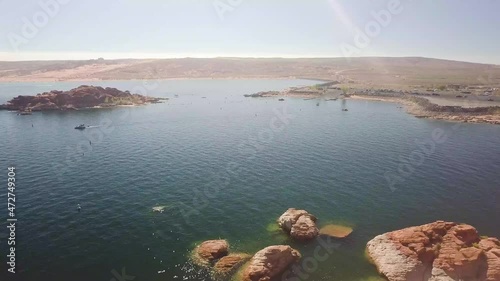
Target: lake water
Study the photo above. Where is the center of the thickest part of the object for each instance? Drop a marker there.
(227, 166)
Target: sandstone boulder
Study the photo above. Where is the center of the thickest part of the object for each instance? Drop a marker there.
(209, 251)
(304, 228)
(289, 218)
(435, 252)
(299, 224)
(491, 246)
(270, 262)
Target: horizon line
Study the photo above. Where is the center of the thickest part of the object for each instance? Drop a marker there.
(3, 60)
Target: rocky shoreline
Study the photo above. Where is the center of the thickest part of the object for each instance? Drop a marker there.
(423, 108)
(416, 103)
(79, 98)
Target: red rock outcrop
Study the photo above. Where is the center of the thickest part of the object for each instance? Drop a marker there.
(81, 97)
(299, 224)
(304, 229)
(491, 246)
(209, 251)
(436, 251)
(270, 262)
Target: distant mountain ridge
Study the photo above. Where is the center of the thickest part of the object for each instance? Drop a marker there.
(376, 71)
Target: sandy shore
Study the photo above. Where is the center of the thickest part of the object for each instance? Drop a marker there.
(491, 117)
(380, 98)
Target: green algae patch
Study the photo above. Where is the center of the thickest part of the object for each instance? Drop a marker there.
(238, 276)
(367, 256)
(276, 233)
(373, 278)
(273, 227)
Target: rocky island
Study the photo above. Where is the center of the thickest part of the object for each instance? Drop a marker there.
(78, 98)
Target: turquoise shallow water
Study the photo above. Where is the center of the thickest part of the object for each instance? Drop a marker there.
(227, 166)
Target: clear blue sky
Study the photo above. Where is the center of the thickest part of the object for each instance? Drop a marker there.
(450, 29)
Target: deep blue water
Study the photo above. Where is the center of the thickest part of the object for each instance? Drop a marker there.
(227, 166)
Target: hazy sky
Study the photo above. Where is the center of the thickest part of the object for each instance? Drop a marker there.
(451, 29)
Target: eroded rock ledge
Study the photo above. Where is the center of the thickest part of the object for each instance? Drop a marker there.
(437, 251)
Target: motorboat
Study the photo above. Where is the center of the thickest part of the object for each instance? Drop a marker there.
(26, 111)
(80, 127)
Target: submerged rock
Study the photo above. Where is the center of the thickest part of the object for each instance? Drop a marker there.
(270, 262)
(299, 224)
(229, 264)
(209, 251)
(436, 251)
(337, 231)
